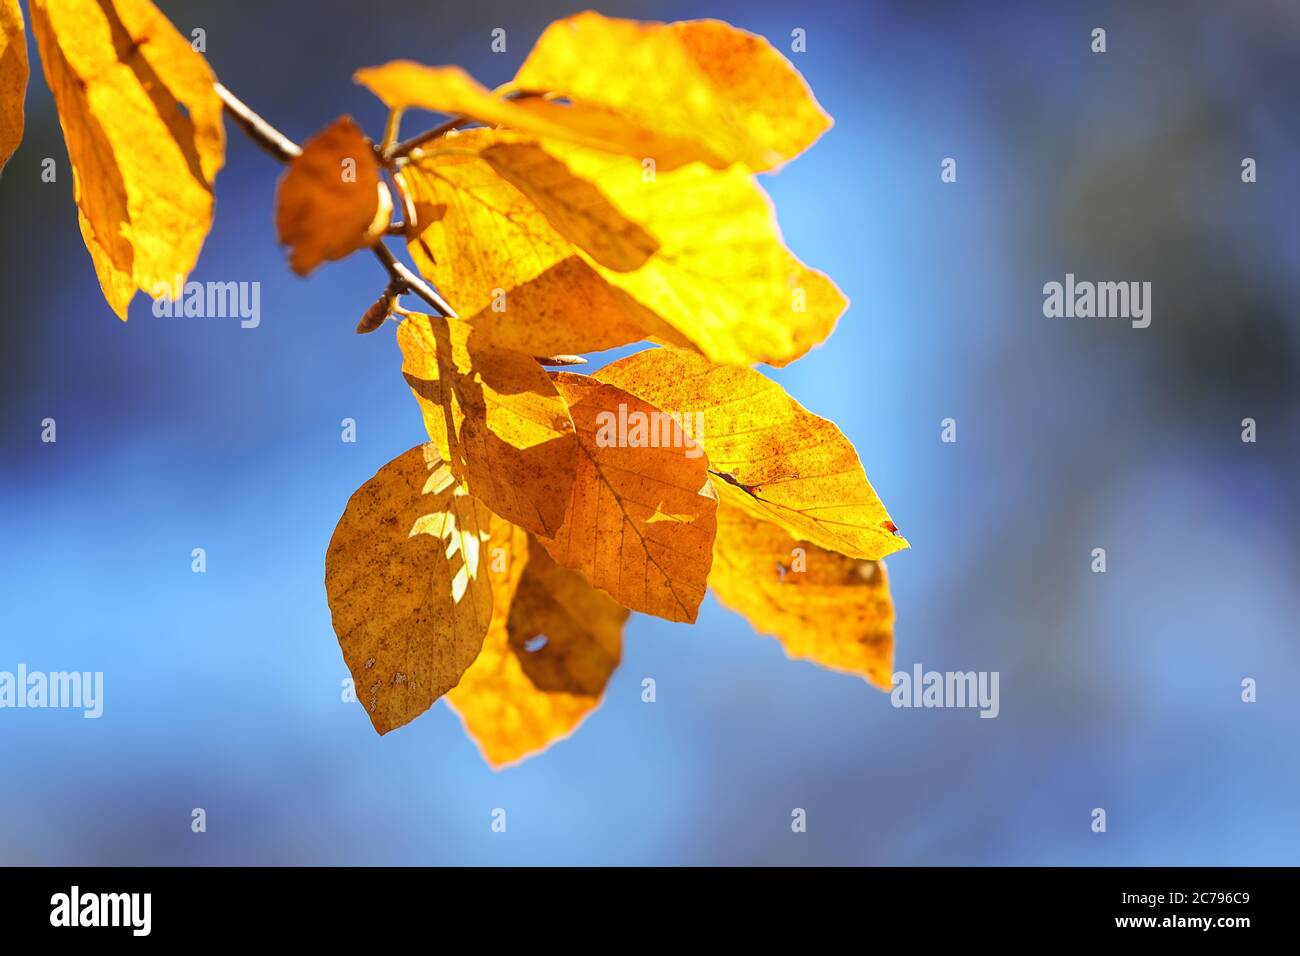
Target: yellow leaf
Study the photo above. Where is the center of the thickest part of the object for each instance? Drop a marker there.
(13, 77)
(721, 278)
(576, 208)
(495, 417)
(518, 698)
(331, 200)
(144, 135)
(408, 586)
(403, 84)
(822, 606)
(769, 456)
(701, 80)
(641, 522)
(505, 267)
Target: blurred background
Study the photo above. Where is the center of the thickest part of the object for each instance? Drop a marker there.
(1119, 690)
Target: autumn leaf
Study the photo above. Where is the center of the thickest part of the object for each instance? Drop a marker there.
(408, 586)
(608, 198)
(585, 254)
(553, 643)
(331, 200)
(143, 128)
(495, 417)
(721, 279)
(701, 80)
(577, 209)
(403, 84)
(13, 78)
(769, 456)
(519, 282)
(641, 523)
(824, 607)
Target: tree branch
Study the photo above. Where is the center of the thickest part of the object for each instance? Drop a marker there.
(284, 149)
(412, 282)
(259, 130)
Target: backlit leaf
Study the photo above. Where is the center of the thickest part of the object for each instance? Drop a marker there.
(143, 129)
(701, 80)
(403, 84)
(553, 643)
(509, 272)
(721, 277)
(331, 200)
(573, 206)
(408, 586)
(823, 606)
(495, 417)
(13, 77)
(769, 456)
(641, 523)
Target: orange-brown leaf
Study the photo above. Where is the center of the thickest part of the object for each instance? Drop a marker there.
(408, 586)
(641, 523)
(824, 607)
(13, 78)
(769, 455)
(331, 200)
(553, 643)
(143, 129)
(495, 417)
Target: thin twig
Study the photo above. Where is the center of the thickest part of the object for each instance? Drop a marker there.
(413, 283)
(285, 149)
(259, 130)
(406, 146)
(415, 142)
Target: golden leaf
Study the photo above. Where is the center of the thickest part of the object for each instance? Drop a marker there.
(721, 279)
(573, 206)
(518, 698)
(641, 522)
(823, 606)
(13, 77)
(408, 586)
(403, 84)
(143, 129)
(701, 80)
(515, 278)
(770, 457)
(331, 200)
(495, 417)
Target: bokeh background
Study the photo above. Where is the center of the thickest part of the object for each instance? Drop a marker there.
(1119, 690)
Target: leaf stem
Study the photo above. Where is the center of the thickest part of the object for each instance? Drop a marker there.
(406, 146)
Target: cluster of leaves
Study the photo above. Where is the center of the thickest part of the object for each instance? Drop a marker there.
(605, 196)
